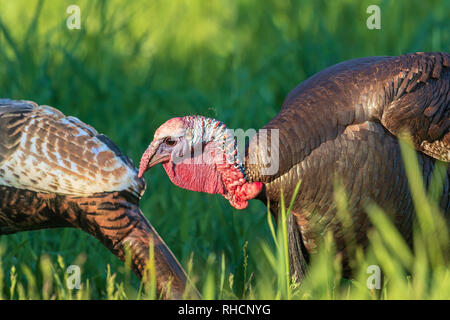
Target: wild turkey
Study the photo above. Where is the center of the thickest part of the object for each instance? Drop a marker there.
(56, 171)
(344, 122)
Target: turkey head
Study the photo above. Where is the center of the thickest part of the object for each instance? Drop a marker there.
(200, 154)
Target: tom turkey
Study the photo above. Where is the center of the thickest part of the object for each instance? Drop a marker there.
(56, 171)
(342, 122)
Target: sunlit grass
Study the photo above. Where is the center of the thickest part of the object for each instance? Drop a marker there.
(419, 273)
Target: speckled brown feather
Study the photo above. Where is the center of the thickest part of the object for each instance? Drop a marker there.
(45, 151)
(82, 162)
(342, 122)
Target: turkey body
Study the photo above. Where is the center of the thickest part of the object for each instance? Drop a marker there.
(344, 123)
(56, 171)
(339, 127)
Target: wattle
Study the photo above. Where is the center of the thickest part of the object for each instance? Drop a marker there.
(195, 177)
(211, 173)
(217, 179)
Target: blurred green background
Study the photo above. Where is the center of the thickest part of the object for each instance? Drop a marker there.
(135, 64)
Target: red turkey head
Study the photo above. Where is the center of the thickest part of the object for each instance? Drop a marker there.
(201, 154)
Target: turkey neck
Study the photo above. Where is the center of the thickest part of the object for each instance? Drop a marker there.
(351, 93)
(113, 218)
(316, 111)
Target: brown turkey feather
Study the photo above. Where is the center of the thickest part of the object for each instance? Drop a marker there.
(56, 171)
(44, 151)
(344, 122)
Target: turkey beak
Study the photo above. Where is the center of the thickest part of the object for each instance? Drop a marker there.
(151, 157)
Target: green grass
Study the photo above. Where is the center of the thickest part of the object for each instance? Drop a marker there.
(133, 65)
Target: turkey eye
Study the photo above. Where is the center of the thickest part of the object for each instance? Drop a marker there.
(170, 142)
